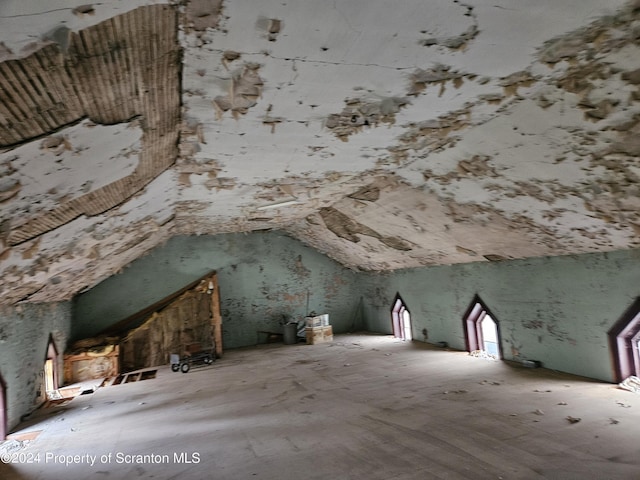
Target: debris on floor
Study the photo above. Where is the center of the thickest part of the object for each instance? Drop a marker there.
(537, 411)
(483, 354)
(12, 446)
(623, 405)
(487, 382)
(613, 421)
(571, 419)
(632, 384)
(562, 403)
(454, 391)
(531, 363)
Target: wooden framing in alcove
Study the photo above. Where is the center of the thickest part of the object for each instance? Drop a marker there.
(190, 316)
(147, 338)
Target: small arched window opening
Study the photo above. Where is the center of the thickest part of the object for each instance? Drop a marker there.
(481, 328)
(50, 374)
(624, 340)
(3, 409)
(401, 319)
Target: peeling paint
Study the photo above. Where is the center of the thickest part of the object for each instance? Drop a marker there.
(516, 80)
(478, 165)
(203, 14)
(369, 193)
(245, 89)
(456, 42)
(347, 228)
(436, 75)
(362, 112)
(480, 174)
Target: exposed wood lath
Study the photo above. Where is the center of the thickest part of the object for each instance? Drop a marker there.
(121, 68)
(200, 285)
(125, 123)
(36, 96)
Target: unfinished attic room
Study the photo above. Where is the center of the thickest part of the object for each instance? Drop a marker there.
(320, 240)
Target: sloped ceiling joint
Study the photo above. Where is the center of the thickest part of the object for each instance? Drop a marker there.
(109, 73)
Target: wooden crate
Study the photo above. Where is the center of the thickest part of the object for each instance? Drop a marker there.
(327, 333)
(319, 334)
(314, 335)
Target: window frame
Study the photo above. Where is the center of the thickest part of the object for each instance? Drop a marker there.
(623, 343)
(397, 318)
(4, 414)
(472, 319)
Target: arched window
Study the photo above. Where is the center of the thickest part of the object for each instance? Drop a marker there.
(482, 331)
(624, 340)
(50, 375)
(3, 410)
(400, 319)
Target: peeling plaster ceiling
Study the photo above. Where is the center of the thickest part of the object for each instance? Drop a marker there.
(384, 135)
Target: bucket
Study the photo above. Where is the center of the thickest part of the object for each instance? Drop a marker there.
(290, 333)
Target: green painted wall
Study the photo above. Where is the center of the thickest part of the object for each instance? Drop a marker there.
(24, 338)
(554, 309)
(262, 276)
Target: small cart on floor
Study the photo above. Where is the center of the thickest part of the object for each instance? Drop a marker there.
(196, 356)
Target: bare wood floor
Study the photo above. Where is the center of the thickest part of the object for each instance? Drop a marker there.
(363, 407)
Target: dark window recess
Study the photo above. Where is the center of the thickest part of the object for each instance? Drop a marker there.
(482, 330)
(3, 410)
(624, 340)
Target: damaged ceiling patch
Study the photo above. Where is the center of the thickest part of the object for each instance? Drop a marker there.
(364, 112)
(455, 42)
(245, 88)
(203, 14)
(349, 229)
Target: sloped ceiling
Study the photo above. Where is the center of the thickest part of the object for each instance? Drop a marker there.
(384, 134)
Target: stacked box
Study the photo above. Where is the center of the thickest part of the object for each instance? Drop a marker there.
(314, 335)
(327, 333)
(318, 330)
(317, 335)
(313, 322)
(317, 321)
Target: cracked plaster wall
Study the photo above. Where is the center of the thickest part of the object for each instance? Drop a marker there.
(262, 277)
(24, 338)
(553, 309)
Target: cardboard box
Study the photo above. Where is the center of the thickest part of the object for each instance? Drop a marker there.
(327, 333)
(313, 322)
(317, 335)
(314, 335)
(317, 321)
